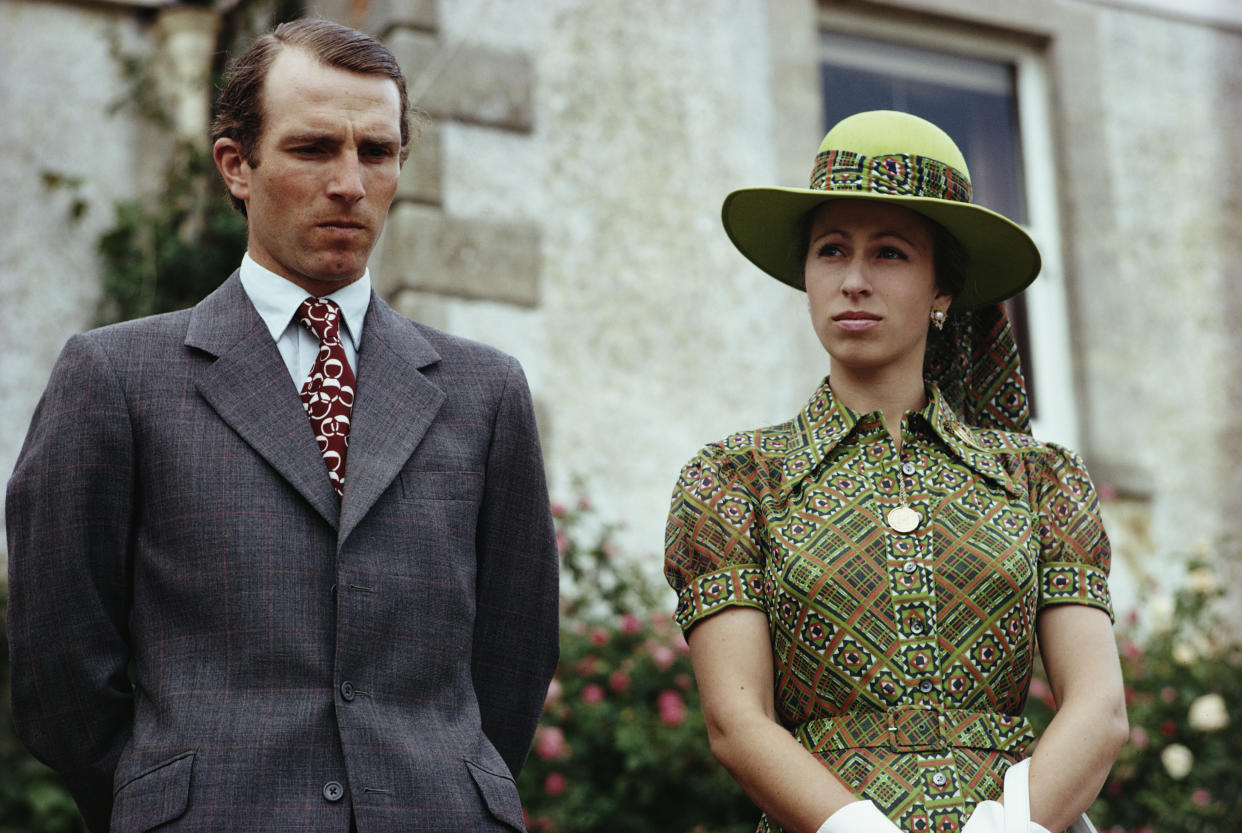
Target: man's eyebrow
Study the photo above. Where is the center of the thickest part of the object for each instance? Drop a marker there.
(307, 138)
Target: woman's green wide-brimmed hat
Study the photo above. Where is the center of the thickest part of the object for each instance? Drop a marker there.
(898, 158)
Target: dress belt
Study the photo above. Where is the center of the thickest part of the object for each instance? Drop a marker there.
(916, 729)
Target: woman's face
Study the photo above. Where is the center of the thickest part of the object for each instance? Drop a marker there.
(871, 282)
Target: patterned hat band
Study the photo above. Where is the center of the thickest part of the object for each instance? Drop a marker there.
(901, 175)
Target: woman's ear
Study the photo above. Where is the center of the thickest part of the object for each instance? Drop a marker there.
(233, 167)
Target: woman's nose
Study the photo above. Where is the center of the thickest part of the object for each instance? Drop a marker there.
(855, 282)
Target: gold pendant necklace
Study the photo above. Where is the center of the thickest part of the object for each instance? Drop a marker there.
(902, 518)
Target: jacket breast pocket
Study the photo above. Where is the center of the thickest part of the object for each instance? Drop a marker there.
(439, 484)
(499, 794)
(154, 796)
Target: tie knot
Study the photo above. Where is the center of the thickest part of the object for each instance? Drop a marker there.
(322, 318)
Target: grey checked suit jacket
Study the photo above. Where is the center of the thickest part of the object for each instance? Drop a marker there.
(204, 638)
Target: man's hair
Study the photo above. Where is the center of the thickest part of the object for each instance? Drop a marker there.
(239, 109)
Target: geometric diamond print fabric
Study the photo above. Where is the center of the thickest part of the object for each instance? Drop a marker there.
(901, 660)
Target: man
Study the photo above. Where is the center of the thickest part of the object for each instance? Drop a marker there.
(227, 616)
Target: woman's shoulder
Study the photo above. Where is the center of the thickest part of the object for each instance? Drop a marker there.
(1040, 463)
(752, 459)
(770, 443)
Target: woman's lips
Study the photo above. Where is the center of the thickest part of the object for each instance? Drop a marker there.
(855, 321)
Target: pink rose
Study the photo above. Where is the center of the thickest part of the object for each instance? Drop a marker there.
(559, 510)
(593, 694)
(550, 743)
(1201, 797)
(619, 681)
(554, 693)
(599, 637)
(1138, 737)
(555, 784)
(662, 655)
(671, 707)
(630, 624)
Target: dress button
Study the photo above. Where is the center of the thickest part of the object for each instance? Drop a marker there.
(940, 779)
(347, 691)
(909, 566)
(333, 791)
(907, 467)
(925, 686)
(917, 626)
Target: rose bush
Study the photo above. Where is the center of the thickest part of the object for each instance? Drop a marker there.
(1182, 663)
(621, 746)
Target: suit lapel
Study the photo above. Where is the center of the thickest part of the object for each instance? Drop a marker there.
(393, 408)
(250, 388)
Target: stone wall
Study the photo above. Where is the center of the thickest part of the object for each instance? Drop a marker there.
(58, 86)
(564, 206)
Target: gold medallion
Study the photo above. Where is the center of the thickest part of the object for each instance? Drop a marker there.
(903, 519)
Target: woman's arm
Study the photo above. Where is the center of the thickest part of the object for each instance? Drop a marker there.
(732, 659)
(1076, 752)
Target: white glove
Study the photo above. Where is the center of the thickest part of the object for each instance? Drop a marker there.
(988, 817)
(858, 817)
(1018, 799)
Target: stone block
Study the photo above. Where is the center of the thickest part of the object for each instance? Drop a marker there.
(422, 175)
(425, 250)
(423, 307)
(379, 17)
(474, 84)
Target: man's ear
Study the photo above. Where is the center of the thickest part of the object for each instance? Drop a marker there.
(233, 167)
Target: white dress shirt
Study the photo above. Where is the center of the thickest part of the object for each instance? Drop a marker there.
(277, 301)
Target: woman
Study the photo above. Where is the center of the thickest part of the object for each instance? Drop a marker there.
(862, 586)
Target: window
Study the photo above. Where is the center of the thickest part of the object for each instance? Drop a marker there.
(990, 97)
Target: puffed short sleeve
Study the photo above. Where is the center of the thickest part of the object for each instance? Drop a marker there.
(1074, 549)
(712, 556)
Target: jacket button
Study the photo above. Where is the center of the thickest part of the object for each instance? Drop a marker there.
(347, 691)
(333, 791)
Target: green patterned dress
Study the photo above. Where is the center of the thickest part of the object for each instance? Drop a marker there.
(902, 661)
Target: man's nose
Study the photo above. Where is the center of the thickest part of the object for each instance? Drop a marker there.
(346, 182)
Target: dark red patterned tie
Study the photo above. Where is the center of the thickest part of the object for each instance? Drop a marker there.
(328, 394)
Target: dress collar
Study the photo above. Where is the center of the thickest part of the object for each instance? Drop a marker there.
(824, 422)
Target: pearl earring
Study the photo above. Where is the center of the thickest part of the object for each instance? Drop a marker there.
(938, 317)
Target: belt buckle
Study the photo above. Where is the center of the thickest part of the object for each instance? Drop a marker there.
(915, 729)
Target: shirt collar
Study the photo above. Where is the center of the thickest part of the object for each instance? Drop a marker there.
(277, 299)
(824, 422)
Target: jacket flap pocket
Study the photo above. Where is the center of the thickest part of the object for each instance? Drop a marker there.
(499, 794)
(155, 796)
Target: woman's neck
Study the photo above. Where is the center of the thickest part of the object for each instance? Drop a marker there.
(892, 394)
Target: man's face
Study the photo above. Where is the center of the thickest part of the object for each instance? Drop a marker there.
(326, 171)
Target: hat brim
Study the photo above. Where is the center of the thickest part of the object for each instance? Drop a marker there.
(765, 223)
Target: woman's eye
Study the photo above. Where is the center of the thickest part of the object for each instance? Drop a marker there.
(890, 253)
(829, 250)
